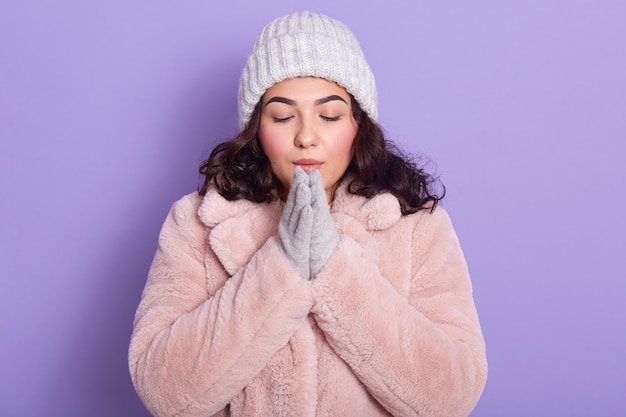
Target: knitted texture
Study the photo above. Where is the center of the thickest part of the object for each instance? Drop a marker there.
(306, 44)
(324, 236)
(296, 224)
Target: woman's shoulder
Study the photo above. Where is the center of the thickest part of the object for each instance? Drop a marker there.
(183, 212)
(187, 203)
(431, 225)
(187, 206)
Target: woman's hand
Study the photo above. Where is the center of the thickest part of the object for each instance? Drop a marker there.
(296, 224)
(324, 237)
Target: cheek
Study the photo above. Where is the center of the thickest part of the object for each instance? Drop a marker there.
(343, 144)
(346, 146)
(269, 143)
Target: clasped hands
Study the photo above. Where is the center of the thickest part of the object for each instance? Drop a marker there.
(307, 234)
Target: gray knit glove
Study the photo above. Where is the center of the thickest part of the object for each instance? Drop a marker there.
(296, 224)
(324, 238)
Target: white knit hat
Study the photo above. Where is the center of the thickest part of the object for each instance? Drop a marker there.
(306, 44)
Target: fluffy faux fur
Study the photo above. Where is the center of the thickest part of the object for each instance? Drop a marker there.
(225, 327)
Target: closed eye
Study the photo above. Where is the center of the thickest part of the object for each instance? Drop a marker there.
(330, 119)
(281, 119)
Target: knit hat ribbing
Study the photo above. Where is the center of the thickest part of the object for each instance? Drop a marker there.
(306, 44)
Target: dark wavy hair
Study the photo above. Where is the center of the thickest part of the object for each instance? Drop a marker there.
(239, 168)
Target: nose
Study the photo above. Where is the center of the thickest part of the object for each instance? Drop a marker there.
(306, 135)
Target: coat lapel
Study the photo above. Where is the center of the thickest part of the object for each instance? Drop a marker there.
(237, 228)
(377, 213)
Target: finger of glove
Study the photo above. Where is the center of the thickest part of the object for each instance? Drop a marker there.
(292, 214)
(295, 239)
(316, 185)
(295, 191)
(324, 237)
(294, 228)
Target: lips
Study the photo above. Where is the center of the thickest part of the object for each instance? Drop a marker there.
(308, 164)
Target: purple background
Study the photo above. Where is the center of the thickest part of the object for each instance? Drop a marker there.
(107, 108)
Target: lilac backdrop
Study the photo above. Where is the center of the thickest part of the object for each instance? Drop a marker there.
(106, 109)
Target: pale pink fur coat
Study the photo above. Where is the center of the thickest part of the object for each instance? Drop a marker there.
(226, 327)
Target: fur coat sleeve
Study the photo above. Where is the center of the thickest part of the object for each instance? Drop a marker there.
(200, 333)
(395, 303)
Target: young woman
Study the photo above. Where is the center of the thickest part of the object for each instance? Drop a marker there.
(314, 272)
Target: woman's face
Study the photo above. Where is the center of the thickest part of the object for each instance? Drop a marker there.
(307, 122)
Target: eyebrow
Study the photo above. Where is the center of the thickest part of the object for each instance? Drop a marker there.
(317, 102)
(327, 99)
(281, 100)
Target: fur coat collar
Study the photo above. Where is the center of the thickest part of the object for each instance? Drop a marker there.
(239, 228)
